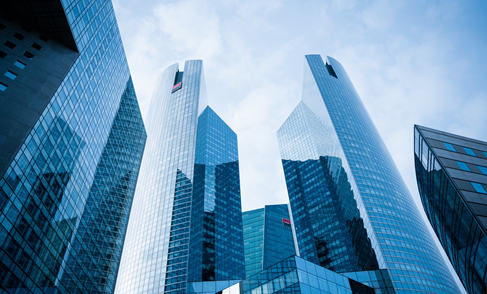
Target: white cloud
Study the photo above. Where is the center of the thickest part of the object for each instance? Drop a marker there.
(469, 117)
(405, 58)
(188, 26)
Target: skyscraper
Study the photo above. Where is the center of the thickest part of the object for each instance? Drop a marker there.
(451, 171)
(72, 139)
(351, 208)
(268, 237)
(186, 223)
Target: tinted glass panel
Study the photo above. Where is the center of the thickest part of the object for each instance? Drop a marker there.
(28, 54)
(19, 64)
(469, 151)
(10, 75)
(483, 169)
(36, 46)
(463, 166)
(479, 188)
(449, 147)
(10, 45)
(19, 36)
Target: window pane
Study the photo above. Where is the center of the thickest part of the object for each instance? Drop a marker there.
(483, 169)
(19, 64)
(463, 166)
(449, 147)
(11, 75)
(469, 151)
(485, 153)
(478, 187)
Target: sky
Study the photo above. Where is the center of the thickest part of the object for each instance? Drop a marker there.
(411, 61)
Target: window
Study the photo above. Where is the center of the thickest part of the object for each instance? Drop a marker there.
(27, 29)
(9, 44)
(3, 87)
(2, 54)
(10, 75)
(331, 71)
(485, 153)
(469, 151)
(28, 55)
(36, 46)
(19, 36)
(449, 147)
(43, 38)
(20, 64)
(482, 169)
(463, 166)
(478, 187)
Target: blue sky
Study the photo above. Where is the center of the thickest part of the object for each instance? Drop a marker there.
(412, 62)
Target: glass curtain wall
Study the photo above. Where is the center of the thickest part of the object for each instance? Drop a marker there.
(49, 194)
(186, 223)
(335, 162)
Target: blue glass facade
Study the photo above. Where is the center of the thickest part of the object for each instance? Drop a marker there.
(65, 197)
(97, 245)
(253, 230)
(448, 168)
(186, 222)
(268, 237)
(216, 242)
(329, 228)
(296, 275)
(337, 165)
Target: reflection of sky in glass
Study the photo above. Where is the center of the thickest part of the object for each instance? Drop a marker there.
(267, 239)
(216, 144)
(386, 209)
(216, 245)
(445, 192)
(162, 205)
(329, 229)
(189, 186)
(296, 275)
(53, 186)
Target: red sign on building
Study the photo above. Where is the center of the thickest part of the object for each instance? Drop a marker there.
(286, 222)
(177, 87)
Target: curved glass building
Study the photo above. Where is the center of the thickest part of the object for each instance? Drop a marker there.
(186, 222)
(351, 209)
(451, 172)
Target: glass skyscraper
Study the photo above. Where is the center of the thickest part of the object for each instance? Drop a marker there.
(351, 209)
(268, 237)
(72, 139)
(186, 222)
(451, 171)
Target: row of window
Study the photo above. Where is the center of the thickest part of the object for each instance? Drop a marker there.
(478, 187)
(464, 166)
(469, 151)
(11, 75)
(27, 54)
